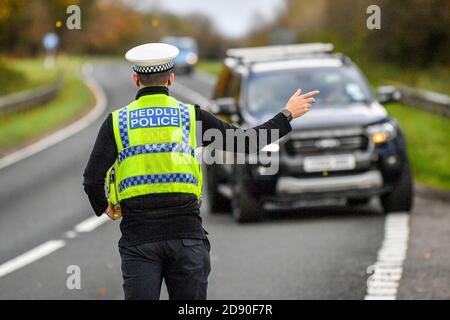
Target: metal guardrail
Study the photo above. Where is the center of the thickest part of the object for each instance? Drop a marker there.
(426, 100)
(30, 98)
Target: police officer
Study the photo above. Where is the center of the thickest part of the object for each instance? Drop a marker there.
(150, 144)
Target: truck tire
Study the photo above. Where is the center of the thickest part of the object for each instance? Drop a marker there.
(216, 201)
(245, 204)
(401, 197)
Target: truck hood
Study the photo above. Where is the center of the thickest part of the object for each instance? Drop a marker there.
(341, 116)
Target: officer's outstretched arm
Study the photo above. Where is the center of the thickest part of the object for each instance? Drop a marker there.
(224, 136)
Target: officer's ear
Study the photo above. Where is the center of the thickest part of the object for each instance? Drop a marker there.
(171, 78)
(135, 79)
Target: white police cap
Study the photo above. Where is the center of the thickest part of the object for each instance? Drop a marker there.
(152, 57)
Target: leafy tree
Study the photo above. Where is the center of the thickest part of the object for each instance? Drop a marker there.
(413, 33)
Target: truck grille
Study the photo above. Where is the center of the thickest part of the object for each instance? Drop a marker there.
(320, 145)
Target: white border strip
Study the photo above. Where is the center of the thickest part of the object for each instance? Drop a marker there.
(91, 223)
(77, 126)
(30, 256)
(189, 94)
(387, 271)
(88, 225)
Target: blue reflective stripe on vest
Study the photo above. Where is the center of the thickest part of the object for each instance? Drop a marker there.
(123, 127)
(157, 178)
(128, 151)
(154, 148)
(185, 122)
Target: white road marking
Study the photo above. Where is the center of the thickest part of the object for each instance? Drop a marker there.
(70, 234)
(204, 77)
(189, 94)
(387, 271)
(65, 132)
(49, 247)
(386, 297)
(91, 223)
(28, 257)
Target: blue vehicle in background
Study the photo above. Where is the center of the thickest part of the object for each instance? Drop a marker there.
(188, 57)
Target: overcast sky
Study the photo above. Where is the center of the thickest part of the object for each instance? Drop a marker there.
(232, 17)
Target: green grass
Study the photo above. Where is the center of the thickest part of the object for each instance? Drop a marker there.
(73, 100)
(209, 66)
(427, 137)
(22, 74)
(436, 78)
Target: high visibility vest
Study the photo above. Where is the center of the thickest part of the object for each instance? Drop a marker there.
(155, 137)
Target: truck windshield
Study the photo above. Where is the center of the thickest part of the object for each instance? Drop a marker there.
(269, 91)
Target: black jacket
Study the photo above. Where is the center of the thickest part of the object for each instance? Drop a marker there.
(155, 217)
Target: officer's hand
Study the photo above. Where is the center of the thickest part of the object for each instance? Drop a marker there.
(299, 103)
(113, 213)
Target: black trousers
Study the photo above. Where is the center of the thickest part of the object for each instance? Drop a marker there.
(184, 264)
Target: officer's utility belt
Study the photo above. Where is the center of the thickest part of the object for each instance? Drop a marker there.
(161, 215)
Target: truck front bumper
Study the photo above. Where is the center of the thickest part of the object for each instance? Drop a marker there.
(363, 181)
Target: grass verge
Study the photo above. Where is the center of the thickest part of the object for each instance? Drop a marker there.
(22, 74)
(72, 101)
(427, 137)
(208, 66)
(435, 78)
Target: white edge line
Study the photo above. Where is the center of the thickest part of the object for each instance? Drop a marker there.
(384, 282)
(189, 94)
(205, 77)
(50, 246)
(30, 256)
(66, 132)
(91, 223)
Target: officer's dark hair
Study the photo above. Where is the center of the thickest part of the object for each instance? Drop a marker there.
(154, 79)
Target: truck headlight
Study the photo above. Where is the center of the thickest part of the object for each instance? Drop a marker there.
(273, 147)
(382, 132)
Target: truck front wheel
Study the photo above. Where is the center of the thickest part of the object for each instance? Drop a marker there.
(401, 197)
(246, 206)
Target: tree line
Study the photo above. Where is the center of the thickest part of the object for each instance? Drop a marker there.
(414, 33)
(107, 27)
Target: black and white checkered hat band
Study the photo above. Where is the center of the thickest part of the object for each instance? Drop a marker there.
(153, 69)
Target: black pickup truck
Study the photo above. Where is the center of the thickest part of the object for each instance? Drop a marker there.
(347, 149)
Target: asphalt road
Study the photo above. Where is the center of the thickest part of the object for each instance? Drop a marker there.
(313, 254)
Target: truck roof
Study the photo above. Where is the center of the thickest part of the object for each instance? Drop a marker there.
(295, 64)
(286, 57)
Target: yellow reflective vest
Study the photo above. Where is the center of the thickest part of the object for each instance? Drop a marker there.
(155, 137)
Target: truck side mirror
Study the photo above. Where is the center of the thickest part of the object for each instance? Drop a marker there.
(387, 94)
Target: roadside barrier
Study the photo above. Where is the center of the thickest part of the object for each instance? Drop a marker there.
(30, 98)
(426, 100)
